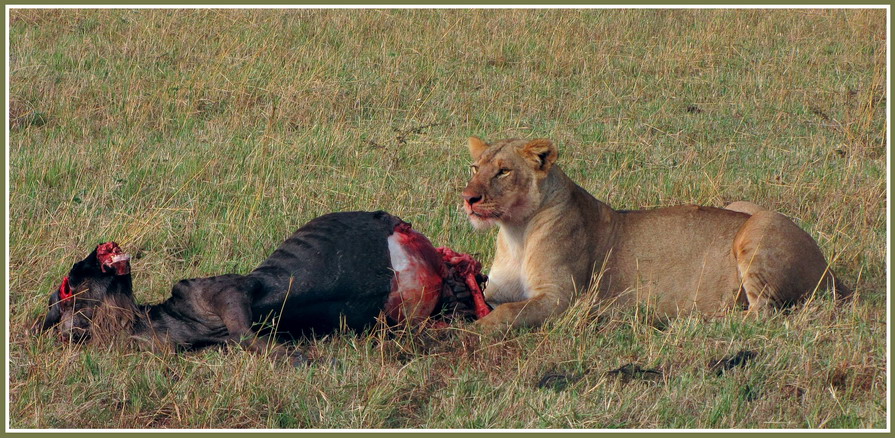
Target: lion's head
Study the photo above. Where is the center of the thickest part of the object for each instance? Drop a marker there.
(507, 181)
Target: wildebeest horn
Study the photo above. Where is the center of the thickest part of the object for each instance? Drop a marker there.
(54, 314)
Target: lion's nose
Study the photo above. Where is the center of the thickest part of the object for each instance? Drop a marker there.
(471, 198)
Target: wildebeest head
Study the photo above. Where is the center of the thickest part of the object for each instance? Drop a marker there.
(95, 288)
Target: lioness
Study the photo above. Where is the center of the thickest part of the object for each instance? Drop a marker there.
(554, 236)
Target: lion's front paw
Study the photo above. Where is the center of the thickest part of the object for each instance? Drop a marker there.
(496, 321)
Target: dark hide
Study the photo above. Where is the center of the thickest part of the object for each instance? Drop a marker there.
(333, 272)
(89, 284)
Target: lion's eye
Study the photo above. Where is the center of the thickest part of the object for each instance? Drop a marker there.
(503, 172)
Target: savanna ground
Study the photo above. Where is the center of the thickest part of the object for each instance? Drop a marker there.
(199, 139)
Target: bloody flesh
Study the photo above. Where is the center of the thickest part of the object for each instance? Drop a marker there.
(426, 276)
(464, 269)
(419, 273)
(344, 269)
(64, 290)
(113, 258)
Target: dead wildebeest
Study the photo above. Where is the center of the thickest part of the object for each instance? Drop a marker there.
(340, 270)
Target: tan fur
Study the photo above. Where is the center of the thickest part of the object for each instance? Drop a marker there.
(554, 236)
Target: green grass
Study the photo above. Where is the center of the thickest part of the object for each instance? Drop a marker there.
(199, 139)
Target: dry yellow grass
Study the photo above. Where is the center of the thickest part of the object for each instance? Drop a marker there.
(200, 138)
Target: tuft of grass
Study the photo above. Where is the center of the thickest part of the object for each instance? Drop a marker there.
(200, 151)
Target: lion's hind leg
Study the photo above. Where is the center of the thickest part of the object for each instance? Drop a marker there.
(779, 263)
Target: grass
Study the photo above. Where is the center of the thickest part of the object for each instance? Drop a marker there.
(199, 139)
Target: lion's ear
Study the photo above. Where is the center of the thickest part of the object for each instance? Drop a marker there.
(540, 151)
(476, 147)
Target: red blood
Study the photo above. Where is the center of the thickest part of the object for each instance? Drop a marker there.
(468, 268)
(111, 256)
(419, 273)
(429, 280)
(64, 290)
